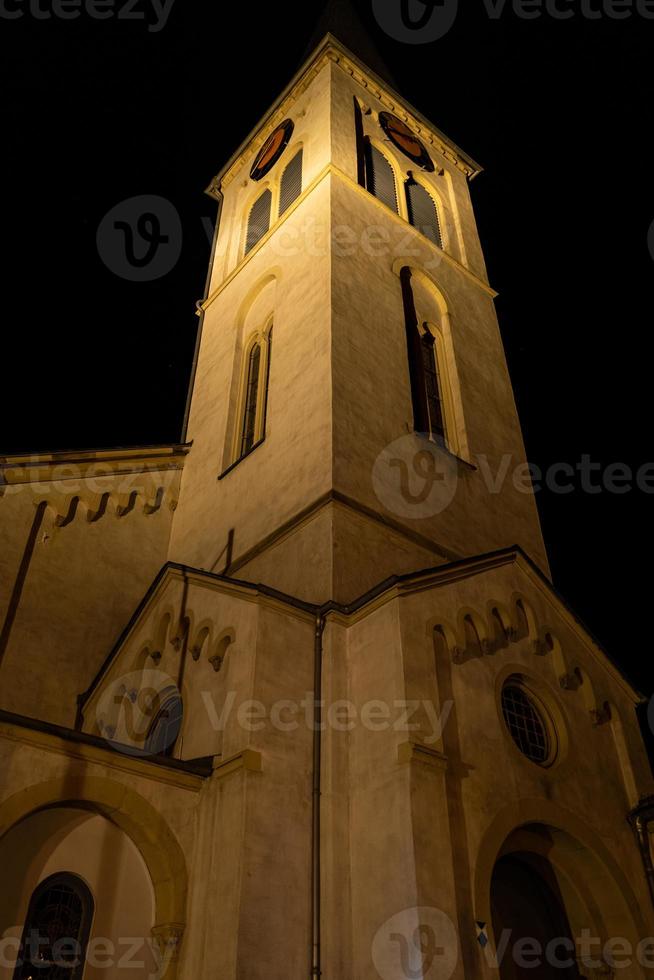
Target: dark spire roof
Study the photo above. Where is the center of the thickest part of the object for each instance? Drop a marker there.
(341, 19)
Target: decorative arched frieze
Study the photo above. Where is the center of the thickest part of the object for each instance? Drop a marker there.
(219, 651)
(202, 638)
(453, 644)
(473, 628)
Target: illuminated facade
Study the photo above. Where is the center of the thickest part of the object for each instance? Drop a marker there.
(378, 733)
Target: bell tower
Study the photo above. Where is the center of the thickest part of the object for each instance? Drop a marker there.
(351, 415)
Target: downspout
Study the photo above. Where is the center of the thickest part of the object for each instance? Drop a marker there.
(640, 818)
(316, 970)
(184, 625)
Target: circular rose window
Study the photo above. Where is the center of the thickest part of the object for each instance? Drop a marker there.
(528, 722)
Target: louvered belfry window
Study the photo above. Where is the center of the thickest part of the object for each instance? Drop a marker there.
(251, 401)
(423, 213)
(432, 386)
(380, 179)
(259, 220)
(291, 184)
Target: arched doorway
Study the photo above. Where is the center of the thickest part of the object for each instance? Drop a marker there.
(603, 893)
(532, 932)
(73, 884)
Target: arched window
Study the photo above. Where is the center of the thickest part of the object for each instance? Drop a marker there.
(259, 220)
(255, 398)
(267, 388)
(56, 934)
(291, 183)
(431, 380)
(424, 358)
(380, 179)
(166, 725)
(423, 213)
(248, 436)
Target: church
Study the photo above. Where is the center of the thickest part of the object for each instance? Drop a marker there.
(296, 697)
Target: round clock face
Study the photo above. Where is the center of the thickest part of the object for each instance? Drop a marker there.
(399, 133)
(272, 149)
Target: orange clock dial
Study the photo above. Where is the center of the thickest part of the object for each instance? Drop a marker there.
(272, 149)
(399, 133)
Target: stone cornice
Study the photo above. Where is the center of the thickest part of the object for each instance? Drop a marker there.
(403, 109)
(85, 464)
(94, 751)
(331, 170)
(248, 761)
(410, 229)
(331, 50)
(396, 587)
(278, 112)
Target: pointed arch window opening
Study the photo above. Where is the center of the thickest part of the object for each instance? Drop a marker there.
(431, 379)
(430, 395)
(423, 211)
(56, 932)
(380, 176)
(248, 437)
(258, 220)
(255, 398)
(267, 384)
(290, 186)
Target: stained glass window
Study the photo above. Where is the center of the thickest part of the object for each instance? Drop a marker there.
(56, 933)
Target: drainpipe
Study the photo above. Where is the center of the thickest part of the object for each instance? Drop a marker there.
(640, 818)
(316, 793)
(183, 625)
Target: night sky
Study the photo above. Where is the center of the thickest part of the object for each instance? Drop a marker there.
(557, 111)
